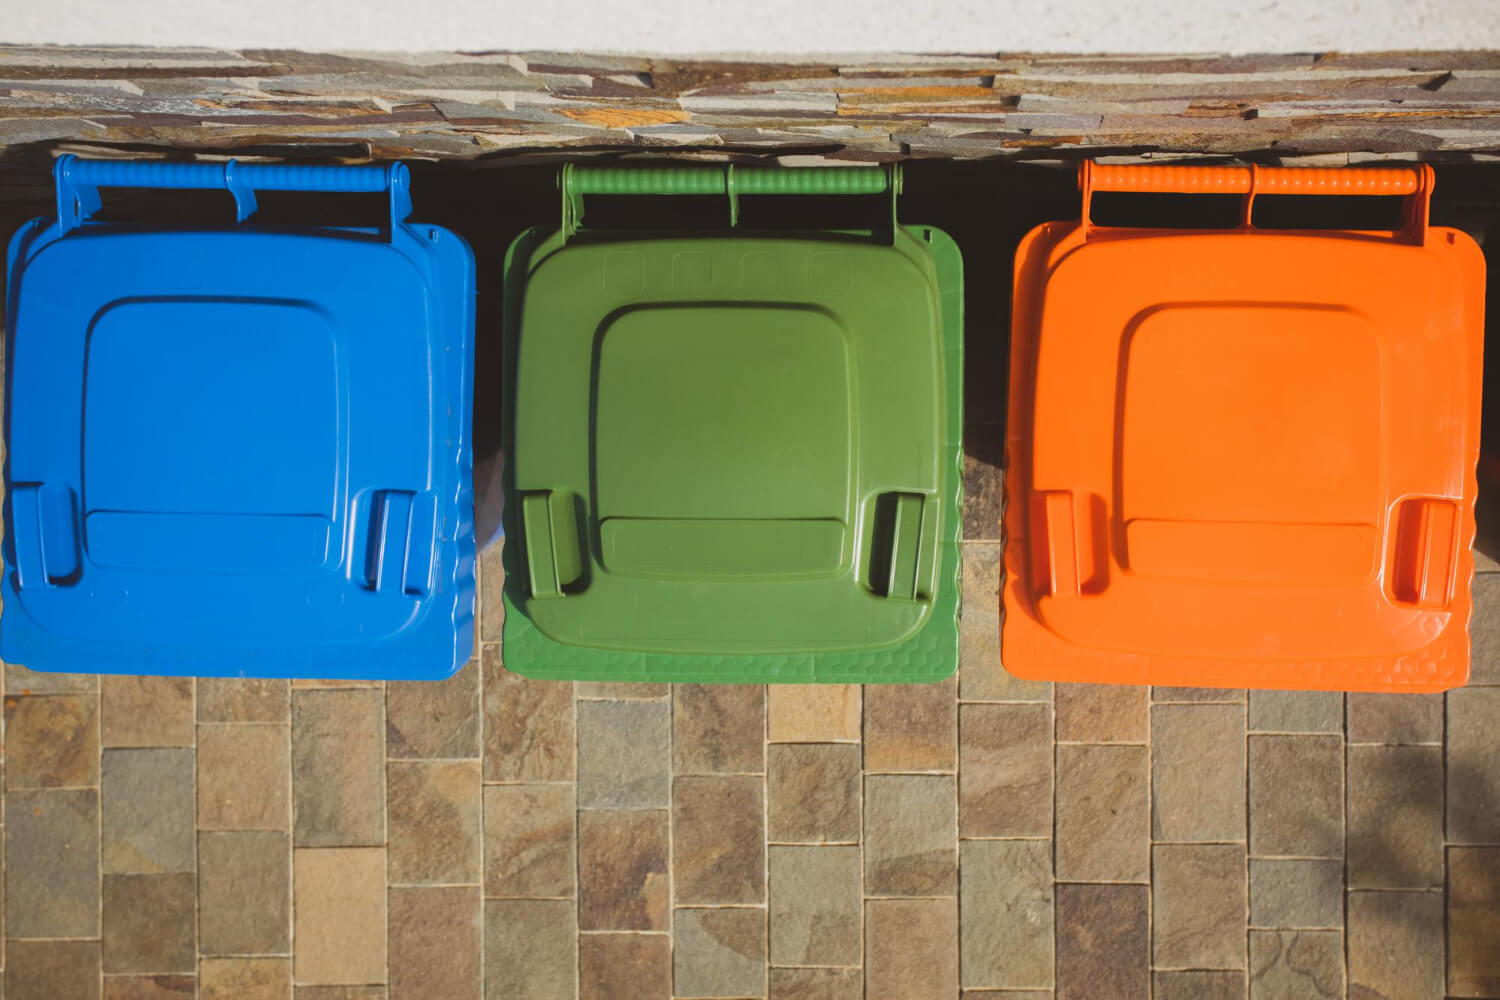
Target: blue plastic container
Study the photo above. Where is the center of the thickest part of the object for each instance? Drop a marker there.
(240, 450)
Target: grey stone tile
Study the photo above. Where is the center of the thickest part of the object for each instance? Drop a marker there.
(1296, 712)
(147, 811)
(911, 949)
(434, 828)
(1396, 944)
(911, 727)
(530, 949)
(623, 879)
(338, 768)
(814, 792)
(1296, 796)
(1199, 696)
(1198, 906)
(1474, 921)
(243, 776)
(528, 725)
(910, 835)
(1005, 915)
(981, 677)
(719, 729)
(426, 719)
(815, 905)
(1474, 765)
(20, 681)
(49, 970)
(1395, 819)
(1296, 965)
(1005, 770)
(1103, 815)
(149, 923)
(719, 952)
(435, 942)
(596, 690)
(1198, 772)
(1296, 892)
(1195, 985)
(244, 893)
(718, 839)
(1395, 718)
(145, 711)
(623, 756)
(1484, 631)
(984, 493)
(529, 847)
(52, 863)
(1103, 942)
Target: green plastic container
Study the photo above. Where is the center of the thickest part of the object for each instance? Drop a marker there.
(734, 456)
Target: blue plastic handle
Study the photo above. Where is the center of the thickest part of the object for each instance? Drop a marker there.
(78, 182)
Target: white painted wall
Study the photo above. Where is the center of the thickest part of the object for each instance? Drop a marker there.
(780, 26)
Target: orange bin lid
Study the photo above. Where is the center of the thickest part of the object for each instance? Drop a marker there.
(1244, 458)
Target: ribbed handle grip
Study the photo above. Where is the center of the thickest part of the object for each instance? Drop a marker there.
(586, 180)
(1266, 180)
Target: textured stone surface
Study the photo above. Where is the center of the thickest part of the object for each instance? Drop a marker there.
(1296, 712)
(719, 729)
(1395, 718)
(1198, 772)
(1474, 765)
(1297, 796)
(910, 835)
(145, 711)
(1296, 965)
(984, 496)
(1296, 892)
(718, 839)
(813, 792)
(1199, 696)
(1198, 906)
(20, 681)
(719, 952)
(339, 900)
(529, 849)
(244, 978)
(244, 893)
(911, 727)
(339, 993)
(157, 987)
(619, 965)
(530, 949)
(434, 718)
(52, 741)
(1474, 921)
(1101, 713)
(528, 725)
(813, 713)
(815, 905)
(1395, 944)
(1103, 942)
(1103, 818)
(1005, 766)
(817, 984)
(435, 942)
(338, 759)
(623, 882)
(623, 761)
(243, 699)
(146, 803)
(911, 949)
(149, 923)
(52, 863)
(242, 778)
(981, 677)
(1005, 916)
(434, 830)
(1395, 817)
(48, 970)
(1195, 985)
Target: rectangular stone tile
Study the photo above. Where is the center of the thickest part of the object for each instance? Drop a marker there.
(49, 970)
(243, 776)
(719, 952)
(1005, 995)
(529, 850)
(1005, 770)
(21, 681)
(1199, 696)
(1394, 718)
(622, 870)
(1198, 772)
(1005, 915)
(1101, 713)
(1103, 813)
(1195, 985)
(815, 905)
(641, 690)
(638, 966)
(814, 713)
(1296, 965)
(146, 801)
(244, 893)
(1296, 892)
(911, 834)
(1396, 944)
(1395, 818)
(339, 915)
(333, 684)
(434, 823)
(338, 768)
(434, 718)
(981, 677)
(719, 729)
(1103, 942)
(817, 984)
(1297, 796)
(984, 487)
(530, 949)
(489, 601)
(435, 943)
(1296, 712)
(52, 741)
(244, 699)
(245, 979)
(1474, 921)
(814, 792)
(162, 987)
(145, 711)
(339, 993)
(624, 754)
(1474, 765)
(149, 923)
(911, 949)
(911, 727)
(718, 839)
(1198, 906)
(52, 863)
(528, 725)
(1484, 631)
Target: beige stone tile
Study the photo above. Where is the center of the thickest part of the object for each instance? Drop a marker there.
(1395, 818)
(426, 719)
(719, 952)
(1198, 772)
(1103, 815)
(719, 729)
(1396, 944)
(528, 725)
(244, 893)
(1296, 892)
(1101, 713)
(338, 768)
(1188, 695)
(622, 690)
(911, 835)
(1296, 712)
(530, 949)
(718, 839)
(1005, 770)
(624, 756)
(1195, 985)
(145, 711)
(50, 970)
(1484, 631)
(435, 942)
(1395, 718)
(814, 713)
(814, 792)
(1005, 995)
(1103, 942)
(434, 828)
(244, 699)
(339, 993)
(1474, 921)
(1296, 965)
(491, 578)
(817, 984)
(149, 923)
(1005, 915)
(52, 863)
(622, 870)
(245, 979)
(21, 681)
(911, 949)
(1474, 765)
(911, 727)
(243, 777)
(146, 799)
(529, 848)
(815, 905)
(981, 677)
(52, 741)
(160, 987)
(638, 966)
(1198, 906)
(339, 915)
(333, 684)
(1297, 796)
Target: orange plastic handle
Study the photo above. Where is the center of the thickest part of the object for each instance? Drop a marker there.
(1242, 180)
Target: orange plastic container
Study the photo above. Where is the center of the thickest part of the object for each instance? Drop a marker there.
(1244, 458)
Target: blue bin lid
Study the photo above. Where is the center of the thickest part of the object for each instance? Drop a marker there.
(239, 450)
